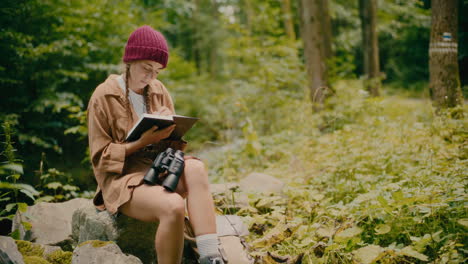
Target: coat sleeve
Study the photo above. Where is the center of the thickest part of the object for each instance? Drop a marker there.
(107, 156)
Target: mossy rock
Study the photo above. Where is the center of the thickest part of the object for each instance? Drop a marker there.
(27, 248)
(60, 257)
(96, 243)
(35, 260)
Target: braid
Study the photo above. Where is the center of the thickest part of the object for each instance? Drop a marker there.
(127, 91)
(147, 99)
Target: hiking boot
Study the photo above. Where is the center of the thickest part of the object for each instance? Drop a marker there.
(215, 259)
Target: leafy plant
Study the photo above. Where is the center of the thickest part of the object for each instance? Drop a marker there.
(11, 170)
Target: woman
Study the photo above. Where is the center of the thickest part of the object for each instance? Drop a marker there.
(119, 166)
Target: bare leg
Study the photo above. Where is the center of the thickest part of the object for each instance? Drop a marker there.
(153, 203)
(200, 203)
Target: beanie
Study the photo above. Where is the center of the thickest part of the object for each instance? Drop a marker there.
(145, 43)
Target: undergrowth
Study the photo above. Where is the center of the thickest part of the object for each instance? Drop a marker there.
(369, 180)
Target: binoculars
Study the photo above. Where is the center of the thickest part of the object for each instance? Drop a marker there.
(170, 162)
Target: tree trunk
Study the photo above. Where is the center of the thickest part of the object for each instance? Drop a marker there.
(196, 37)
(214, 51)
(368, 14)
(287, 19)
(444, 81)
(326, 29)
(314, 50)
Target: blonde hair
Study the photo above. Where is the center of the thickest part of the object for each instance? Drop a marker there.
(127, 90)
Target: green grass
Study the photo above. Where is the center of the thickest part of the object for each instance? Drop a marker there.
(369, 180)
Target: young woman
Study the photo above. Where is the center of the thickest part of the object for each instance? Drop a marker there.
(119, 166)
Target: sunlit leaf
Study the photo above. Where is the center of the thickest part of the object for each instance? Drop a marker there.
(22, 207)
(54, 185)
(9, 207)
(368, 254)
(18, 168)
(382, 229)
(276, 235)
(463, 222)
(348, 233)
(410, 252)
(27, 226)
(326, 231)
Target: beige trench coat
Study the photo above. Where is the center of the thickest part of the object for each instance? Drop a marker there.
(109, 121)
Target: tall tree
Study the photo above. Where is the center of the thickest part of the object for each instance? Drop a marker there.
(443, 65)
(368, 14)
(316, 47)
(287, 19)
(324, 16)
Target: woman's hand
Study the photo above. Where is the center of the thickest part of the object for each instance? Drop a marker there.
(163, 111)
(154, 135)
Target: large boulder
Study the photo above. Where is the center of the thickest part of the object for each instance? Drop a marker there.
(98, 252)
(51, 222)
(132, 236)
(9, 253)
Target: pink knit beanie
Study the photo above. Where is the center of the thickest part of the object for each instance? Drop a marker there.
(145, 43)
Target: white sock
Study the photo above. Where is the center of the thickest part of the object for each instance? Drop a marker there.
(207, 245)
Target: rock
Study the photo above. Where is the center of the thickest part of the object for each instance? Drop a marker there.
(132, 236)
(230, 225)
(231, 230)
(8, 246)
(261, 183)
(51, 222)
(98, 252)
(90, 224)
(234, 250)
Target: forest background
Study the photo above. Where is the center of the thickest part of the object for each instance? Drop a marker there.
(237, 65)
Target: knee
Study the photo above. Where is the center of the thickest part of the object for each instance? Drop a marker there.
(195, 174)
(194, 166)
(174, 207)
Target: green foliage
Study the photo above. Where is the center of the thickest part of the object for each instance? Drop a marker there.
(96, 243)
(34, 253)
(27, 248)
(368, 180)
(35, 260)
(13, 194)
(60, 257)
(56, 186)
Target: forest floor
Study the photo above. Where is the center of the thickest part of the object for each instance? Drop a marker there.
(367, 179)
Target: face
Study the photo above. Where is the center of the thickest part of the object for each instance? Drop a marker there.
(142, 73)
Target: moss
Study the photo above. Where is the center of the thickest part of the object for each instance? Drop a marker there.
(96, 243)
(27, 248)
(60, 257)
(35, 260)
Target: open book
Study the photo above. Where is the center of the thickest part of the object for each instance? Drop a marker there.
(183, 124)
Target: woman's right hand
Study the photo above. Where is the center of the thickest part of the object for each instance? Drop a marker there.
(154, 135)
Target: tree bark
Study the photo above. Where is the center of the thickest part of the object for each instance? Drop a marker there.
(444, 77)
(368, 14)
(287, 19)
(326, 29)
(314, 51)
(195, 36)
(213, 61)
